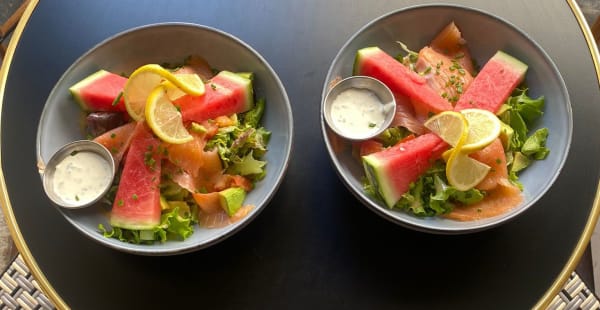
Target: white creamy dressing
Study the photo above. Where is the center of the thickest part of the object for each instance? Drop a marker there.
(81, 177)
(358, 112)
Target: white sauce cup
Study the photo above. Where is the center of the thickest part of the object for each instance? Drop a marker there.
(385, 95)
(68, 150)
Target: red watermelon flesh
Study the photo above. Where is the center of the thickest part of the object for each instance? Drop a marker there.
(98, 91)
(225, 94)
(137, 203)
(493, 84)
(374, 62)
(392, 170)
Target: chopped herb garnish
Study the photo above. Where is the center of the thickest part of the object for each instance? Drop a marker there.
(116, 101)
(213, 86)
(74, 153)
(149, 160)
(113, 135)
(134, 196)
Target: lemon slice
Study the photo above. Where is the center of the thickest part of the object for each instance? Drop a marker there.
(484, 128)
(464, 172)
(449, 125)
(164, 118)
(144, 79)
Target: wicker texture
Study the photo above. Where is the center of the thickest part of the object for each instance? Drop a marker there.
(19, 290)
(575, 295)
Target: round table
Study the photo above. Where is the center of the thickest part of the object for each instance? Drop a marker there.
(314, 245)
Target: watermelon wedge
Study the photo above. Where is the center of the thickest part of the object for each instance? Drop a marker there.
(493, 84)
(392, 170)
(226, 93)
(98, 91)
(137, 203)
(374, 62)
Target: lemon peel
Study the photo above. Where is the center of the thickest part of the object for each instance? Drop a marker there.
(146, 78)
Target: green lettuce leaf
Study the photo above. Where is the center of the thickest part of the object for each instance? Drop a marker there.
(392, 135)
(242, 147)
(123, 235)
(172, 226)
(247, 165)
(431, 195)
(176, 225)
(520, 112)
(252, 118)
(535, 145)
(410, 58)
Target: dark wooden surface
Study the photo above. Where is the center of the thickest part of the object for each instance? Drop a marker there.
(321, 249)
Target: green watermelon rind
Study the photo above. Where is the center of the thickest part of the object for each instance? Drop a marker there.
(75, 90)
(360, 55)
(377, 176)
(246, 83)
(127, 223)
(510, 62)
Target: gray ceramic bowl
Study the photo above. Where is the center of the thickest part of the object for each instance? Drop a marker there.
(485, 34)
(125, 52)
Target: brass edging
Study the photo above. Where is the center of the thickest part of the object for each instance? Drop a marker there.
(11, 222)
(593, 218)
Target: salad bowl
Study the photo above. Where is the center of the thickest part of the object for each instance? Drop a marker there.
(485, 34)
(169, 43)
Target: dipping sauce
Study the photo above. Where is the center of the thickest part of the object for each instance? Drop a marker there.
(358, 112)
(81, 177)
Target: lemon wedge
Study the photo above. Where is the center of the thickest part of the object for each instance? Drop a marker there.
(164, 119)
(484, 128)
(464, 172)
(146, 78)
(467, 131)
(449, 125)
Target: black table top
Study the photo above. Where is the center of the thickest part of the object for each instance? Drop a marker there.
(314, 245)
